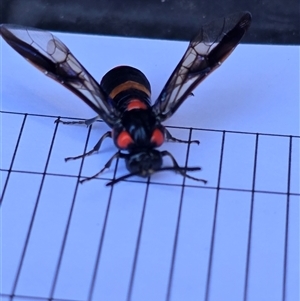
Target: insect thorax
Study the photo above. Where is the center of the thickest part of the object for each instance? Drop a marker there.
(130, 90)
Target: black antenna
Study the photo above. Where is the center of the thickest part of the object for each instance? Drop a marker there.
(181, 170)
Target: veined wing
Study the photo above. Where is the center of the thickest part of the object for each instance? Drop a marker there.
(47, 53)
(205, 53)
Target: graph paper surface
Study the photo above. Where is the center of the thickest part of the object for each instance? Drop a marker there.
(166, 237)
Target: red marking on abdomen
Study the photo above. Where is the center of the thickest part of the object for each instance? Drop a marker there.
(136, 104)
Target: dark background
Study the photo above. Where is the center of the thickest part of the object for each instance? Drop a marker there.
(274, 21)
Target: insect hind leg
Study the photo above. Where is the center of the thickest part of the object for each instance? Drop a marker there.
(87, 122)
(95, 148)
(169, 137)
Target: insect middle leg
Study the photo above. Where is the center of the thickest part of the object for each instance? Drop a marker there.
(87, 122)
(169, 137)
(95, 148)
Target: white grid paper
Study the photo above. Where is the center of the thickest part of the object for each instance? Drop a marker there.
(164, 238)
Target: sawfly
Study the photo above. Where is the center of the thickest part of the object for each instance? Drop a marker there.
(122, 99)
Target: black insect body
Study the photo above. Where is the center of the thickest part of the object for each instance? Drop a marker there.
(122, 99)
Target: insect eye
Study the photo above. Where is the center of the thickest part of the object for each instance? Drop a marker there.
(157, 137)
(124, 140)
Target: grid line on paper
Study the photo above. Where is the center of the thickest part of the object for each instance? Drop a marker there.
(212, 242)
(169, 126)
(13, 294)
(11, 169)
(35, 298)
(68, 223)
(159, 184)
(170, 279)
(137, 245)
(284, 280)
(250, 221)
(101, 241)
(33, 215)
(13, 158)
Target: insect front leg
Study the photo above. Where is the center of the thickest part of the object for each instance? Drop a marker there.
(169, 137)
(181, 170)
(95, 149)
(106, 166)
(87, 122)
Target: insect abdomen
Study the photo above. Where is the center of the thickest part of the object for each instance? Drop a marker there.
(128, 87)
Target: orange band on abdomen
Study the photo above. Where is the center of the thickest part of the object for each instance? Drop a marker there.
(128, 85)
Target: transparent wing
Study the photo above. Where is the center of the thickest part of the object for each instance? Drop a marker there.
(47, 53)
(205, 53)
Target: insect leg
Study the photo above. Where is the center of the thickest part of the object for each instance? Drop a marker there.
(106, 166)
(181, 170)
(169, 137)
(95, 149)
(87, 122)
